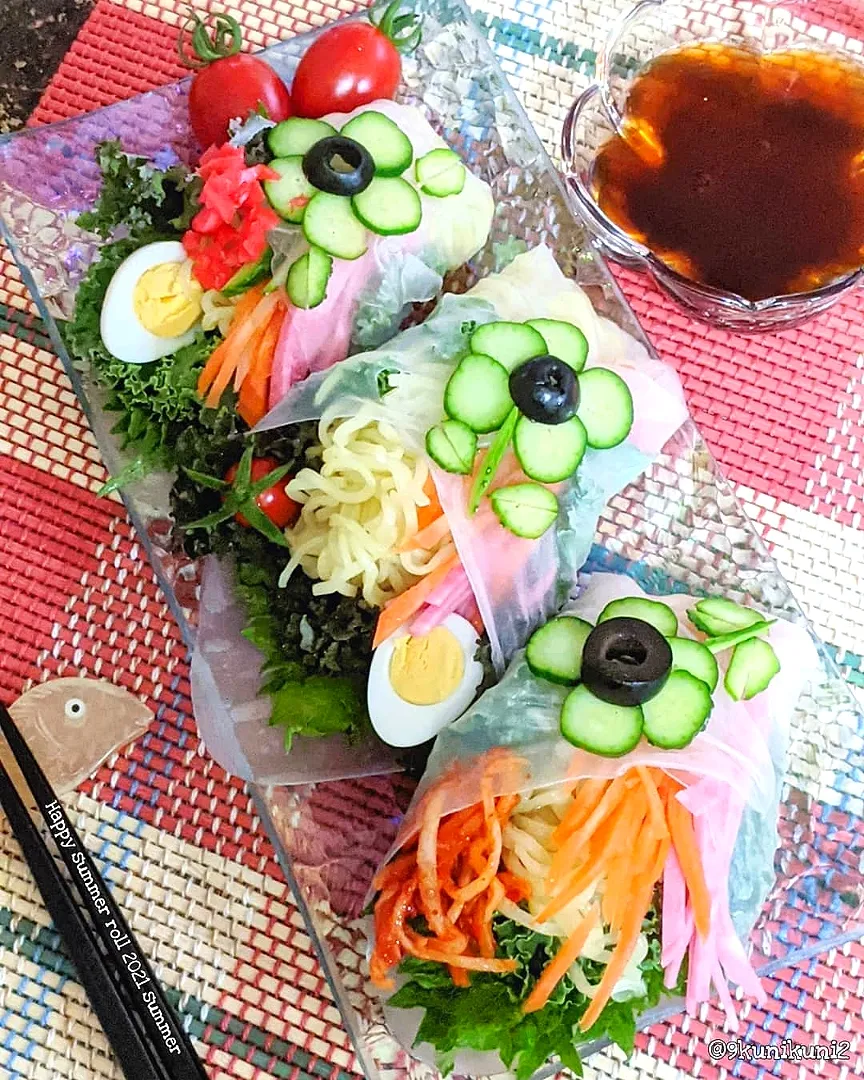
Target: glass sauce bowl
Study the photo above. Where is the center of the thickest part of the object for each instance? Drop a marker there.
(646, 30)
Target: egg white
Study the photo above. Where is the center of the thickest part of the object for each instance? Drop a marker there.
(400, 723)
(122, 334)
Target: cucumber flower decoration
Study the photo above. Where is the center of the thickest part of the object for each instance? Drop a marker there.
(526, 382)
(341, 185)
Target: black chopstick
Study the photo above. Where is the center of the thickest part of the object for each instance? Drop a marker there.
(131, 1052)
(169, 1047)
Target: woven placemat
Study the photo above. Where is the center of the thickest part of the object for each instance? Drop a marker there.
(176, 835)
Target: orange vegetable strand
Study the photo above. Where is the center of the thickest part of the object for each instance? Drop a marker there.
(561, 963)
(400, 609)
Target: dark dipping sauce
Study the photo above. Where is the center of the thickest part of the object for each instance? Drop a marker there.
(741, 170)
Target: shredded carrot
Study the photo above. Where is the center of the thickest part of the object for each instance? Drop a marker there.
(655, 804)
(427, 537)
(257, 324)
(610, 794)
(585, 798)
(242, 309)
(427, 514)
(233, 358)
(663, 846)
(616, 889)
(684, 840)
(401, 608)
(575, 842)
(627, 939)
(582, 859)
(252, 400)
(561, 963)
(505, 806)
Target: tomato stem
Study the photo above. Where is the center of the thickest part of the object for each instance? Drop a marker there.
(212, 38)
(402, 28)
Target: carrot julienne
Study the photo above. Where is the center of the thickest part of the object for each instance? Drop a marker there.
(684, 841)
(557, 968)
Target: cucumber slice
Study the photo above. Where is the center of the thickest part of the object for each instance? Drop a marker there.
(329, 223)
(478, 394)
(554, 652)
(693, 656)
(549, 452)
(605, 407)
(660, 616)
(307, 279)
(716, 615)
(389, 206)
(291, 193)
(510, 343)
(599, 727)
(753, 665)
(491, 460)
(296, 135)
(249, 275)
(388, 144)
(678, 713)
(452, 445)
(440, 173)
(563, 340)
(722, 642)
(527, 510)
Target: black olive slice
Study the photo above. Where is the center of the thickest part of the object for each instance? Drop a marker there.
(545, 390)
(339, 166)
(625, 661)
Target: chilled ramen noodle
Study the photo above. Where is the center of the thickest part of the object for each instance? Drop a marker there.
(359, 509)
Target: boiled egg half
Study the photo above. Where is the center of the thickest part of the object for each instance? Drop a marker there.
(419, 685)
(152, 304)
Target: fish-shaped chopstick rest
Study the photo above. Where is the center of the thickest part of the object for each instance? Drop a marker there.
(72, 725)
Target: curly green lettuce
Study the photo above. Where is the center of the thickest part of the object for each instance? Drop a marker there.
(147, 202)
(488, 1015)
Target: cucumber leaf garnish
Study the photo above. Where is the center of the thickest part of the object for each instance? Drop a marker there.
(239, 498)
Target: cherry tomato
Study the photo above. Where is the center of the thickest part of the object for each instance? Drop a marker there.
(279, 507)
(347, 66)
(230, 87)
(227, 84)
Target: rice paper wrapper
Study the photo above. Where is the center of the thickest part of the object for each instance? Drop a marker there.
(511, 736)
(517, 583)
(367, 298)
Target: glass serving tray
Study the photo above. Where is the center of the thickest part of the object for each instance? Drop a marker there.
(679, 528)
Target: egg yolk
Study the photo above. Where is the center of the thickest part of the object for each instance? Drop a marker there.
(427, 670)
(167, 300)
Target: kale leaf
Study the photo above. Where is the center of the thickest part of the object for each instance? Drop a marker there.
(147, 202)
